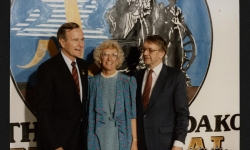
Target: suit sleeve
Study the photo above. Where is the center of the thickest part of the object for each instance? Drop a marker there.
(85, 95)
(44, 105)
(181, 108)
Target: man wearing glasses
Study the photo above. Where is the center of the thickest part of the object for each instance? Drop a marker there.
(161, 100)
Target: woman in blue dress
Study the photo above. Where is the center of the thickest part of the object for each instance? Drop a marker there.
(111, 102)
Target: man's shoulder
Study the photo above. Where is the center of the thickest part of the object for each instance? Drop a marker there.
(81, 60)
(173, 72)
(171, 69)
(139, 72)
(51, 62)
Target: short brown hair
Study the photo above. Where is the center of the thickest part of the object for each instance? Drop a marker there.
(108, 44)
(61, 33)
(159, 41)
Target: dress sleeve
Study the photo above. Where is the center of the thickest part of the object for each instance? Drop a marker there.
(91, 116)
(132, 88)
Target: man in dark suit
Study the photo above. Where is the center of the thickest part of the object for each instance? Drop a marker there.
(60, 94)
(162, 102)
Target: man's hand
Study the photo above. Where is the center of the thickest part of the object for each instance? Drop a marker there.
(60, 148)
(176, 148)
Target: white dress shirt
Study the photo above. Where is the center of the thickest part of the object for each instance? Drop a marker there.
(68, 62)
(155, 75)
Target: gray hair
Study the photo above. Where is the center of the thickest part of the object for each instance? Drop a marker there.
(105, 45)
(61, 33)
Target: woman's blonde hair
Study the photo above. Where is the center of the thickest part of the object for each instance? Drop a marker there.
(112, 44)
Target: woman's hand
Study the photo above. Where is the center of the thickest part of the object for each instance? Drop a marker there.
(134, 144)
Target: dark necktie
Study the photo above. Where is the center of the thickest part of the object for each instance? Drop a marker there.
(147, 89)
(75, 75)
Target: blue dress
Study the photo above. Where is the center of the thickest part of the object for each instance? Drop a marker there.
(111, 106)
(109, 131)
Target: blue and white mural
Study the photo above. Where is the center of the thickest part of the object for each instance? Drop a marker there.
(184, 24)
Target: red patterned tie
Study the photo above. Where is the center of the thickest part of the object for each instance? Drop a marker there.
(147, 89)
(75, 75)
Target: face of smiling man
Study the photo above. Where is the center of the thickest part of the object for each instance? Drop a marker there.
(73, 45)
(152, 55)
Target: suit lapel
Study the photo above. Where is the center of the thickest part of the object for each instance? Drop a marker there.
(158, 86)
(65, 72)
(83, 75)
(139, 79)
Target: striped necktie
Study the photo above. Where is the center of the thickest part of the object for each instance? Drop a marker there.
(147, 89)
(75, 75)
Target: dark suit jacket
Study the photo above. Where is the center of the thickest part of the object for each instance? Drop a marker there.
(166, 116)
(59, 109)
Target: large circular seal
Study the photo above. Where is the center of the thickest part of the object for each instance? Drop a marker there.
(184, 24)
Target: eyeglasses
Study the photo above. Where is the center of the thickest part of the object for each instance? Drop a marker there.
(148, 50)
(106, 55)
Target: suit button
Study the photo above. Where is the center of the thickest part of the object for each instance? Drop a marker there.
(145, 116)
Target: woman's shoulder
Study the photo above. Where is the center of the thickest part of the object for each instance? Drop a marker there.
(93, 78)
(125, 77)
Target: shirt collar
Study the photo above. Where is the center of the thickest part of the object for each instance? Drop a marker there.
(67, 60)
(156, 69)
